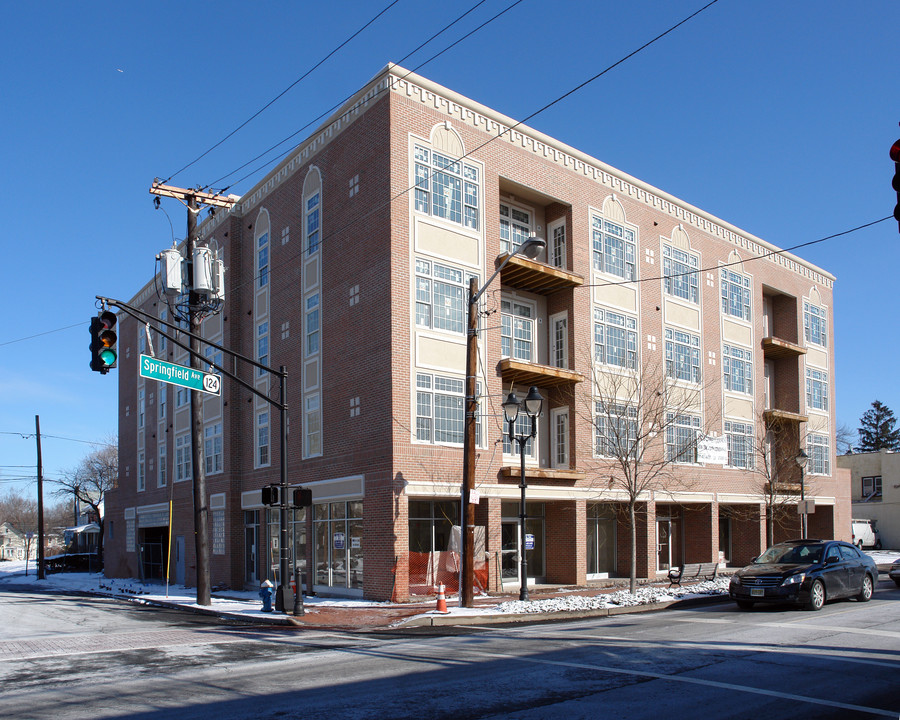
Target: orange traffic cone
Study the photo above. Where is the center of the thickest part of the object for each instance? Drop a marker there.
(441, 601)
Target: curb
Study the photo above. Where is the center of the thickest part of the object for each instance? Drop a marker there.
(513, 618)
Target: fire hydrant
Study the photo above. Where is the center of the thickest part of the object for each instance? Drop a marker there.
(266, 593)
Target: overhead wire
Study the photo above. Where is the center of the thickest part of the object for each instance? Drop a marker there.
(282, 93)
(341, 102)
(365, 215)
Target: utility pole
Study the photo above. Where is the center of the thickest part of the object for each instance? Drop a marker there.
(192, 199)
(40, 498)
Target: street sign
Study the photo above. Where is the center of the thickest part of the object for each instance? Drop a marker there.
(164, 371)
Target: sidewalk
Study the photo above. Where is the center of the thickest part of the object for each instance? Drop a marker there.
(545, 602)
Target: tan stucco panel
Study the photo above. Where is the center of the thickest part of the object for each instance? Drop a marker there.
(446, 243)
(434, 353)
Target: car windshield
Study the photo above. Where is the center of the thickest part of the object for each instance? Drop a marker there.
(791, 555)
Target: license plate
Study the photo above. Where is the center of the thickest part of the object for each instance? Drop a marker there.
(757, 592)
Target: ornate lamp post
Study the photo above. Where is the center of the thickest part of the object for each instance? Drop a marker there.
(533, 403)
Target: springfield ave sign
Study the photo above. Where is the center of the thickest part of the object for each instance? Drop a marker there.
(167, 372)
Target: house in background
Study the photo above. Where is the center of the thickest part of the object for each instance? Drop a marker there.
(875, 491)
(13, 544)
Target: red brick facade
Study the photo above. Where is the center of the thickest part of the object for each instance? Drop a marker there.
(373, 349)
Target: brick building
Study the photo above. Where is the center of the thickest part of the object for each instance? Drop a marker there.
(349, 264)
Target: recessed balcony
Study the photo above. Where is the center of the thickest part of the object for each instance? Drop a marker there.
(530, 275)
(776, 348)
(516, 372)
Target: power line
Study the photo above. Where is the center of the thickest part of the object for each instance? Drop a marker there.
(282, 93)
(387, 203)
(32, 337)
(341, 102)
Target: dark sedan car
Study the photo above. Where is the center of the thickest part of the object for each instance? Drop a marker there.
(805, 572)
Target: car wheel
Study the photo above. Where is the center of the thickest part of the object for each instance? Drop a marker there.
(859, 544)
(865, 592)
(878, 545)
(745, 604)
(897, 583)
(816, 596)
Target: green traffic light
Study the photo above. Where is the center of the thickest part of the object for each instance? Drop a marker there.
(108, 357)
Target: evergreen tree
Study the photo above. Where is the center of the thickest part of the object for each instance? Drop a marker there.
(877, 429)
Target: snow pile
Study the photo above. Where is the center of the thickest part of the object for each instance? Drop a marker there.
(621, 598)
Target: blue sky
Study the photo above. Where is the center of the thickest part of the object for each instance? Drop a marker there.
(774, 116)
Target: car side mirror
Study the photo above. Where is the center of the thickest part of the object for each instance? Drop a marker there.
(831, 560)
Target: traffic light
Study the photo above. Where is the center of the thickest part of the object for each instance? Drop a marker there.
(302, 497)
(895, 156)
(271, 495)
(103, 342)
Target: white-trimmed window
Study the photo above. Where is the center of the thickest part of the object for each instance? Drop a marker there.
(440, 405)
(681, 274)
(312, 324)
(262, 439)
(817, 447)
(446, 188)
(517, 330)
(615, 430)
(313, 231)
(816, 389)
(741, 444)
(613, 248)
(163, 315)
(735, 294)
(262, 260)
(162, 393)
(815, 324)
(557, 250)
(737, 369)
(682, 432)
(213, 355)
(162, 476)
(183, 457)
(312, 434)
(182, 397)
(262, 346)
(682, 355)
(871, 488)
(141, 473)
(142, 407)
(440, 297)
(515, 227)
(615, 338)
(212, 448)
(559, 340)
(560, 430)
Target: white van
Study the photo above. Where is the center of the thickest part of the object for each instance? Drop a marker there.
(865, 534)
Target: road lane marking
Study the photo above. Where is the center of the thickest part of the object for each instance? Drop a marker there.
(795, 625)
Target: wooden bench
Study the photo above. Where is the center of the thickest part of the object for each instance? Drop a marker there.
(693, 571)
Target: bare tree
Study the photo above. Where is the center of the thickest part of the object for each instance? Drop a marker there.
(21, 513)
(775, 471)
(645, 423)
(845, 438)
(96, 474)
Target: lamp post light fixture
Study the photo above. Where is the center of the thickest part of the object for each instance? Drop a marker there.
(530, 248)
(801, 459)
(533, 403)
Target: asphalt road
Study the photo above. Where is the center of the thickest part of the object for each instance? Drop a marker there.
(67, 657)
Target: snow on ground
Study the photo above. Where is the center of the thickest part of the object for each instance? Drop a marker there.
(247, 604)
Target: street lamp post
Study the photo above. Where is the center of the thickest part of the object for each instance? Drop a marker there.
(801, 459)
(533, 403)
(530, 248)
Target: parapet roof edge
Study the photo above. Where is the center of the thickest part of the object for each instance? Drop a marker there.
(502, 119)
